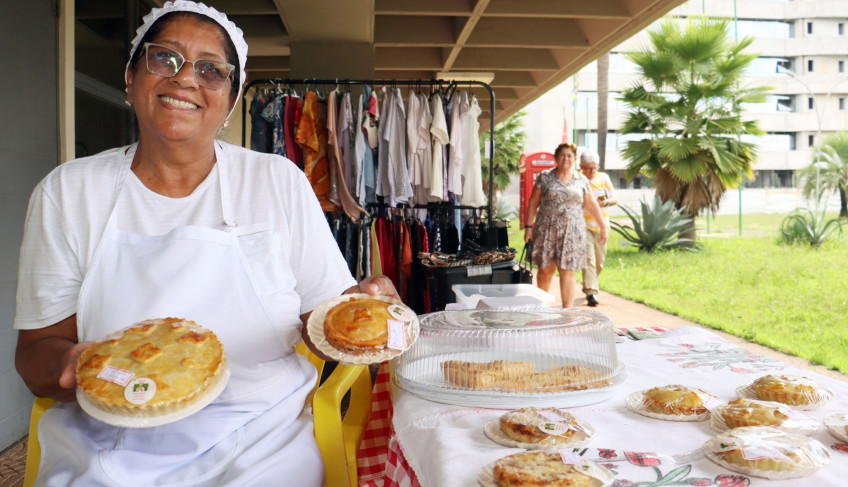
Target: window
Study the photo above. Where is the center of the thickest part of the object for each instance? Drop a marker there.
(809, 65)
(811, 140)
(763, 29)
(842, 103)
(841, 66)
(810, 102)
(809, 27)
(840, 28)
(764, 65)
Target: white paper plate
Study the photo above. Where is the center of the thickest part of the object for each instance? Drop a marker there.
(315, 330)
(836, 424)
(150, 421)
(748, 392)
(494, 432)
(635, 402)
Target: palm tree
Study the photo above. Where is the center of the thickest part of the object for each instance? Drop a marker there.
(509, 144)
(686, 115)
(603, 112)
(832, 173)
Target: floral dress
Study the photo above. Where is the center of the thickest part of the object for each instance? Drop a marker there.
(559, 232)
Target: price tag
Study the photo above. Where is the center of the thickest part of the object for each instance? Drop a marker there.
(397, 335)
(118, 376)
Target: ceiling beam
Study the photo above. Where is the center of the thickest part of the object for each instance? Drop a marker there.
(604, 9)
(523, 32)
(393, 30)
(464, 33)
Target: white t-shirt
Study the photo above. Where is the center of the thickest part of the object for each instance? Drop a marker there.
(286, 238)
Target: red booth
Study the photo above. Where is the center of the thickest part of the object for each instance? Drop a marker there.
(529, 167)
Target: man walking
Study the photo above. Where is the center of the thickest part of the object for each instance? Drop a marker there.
(597, 251)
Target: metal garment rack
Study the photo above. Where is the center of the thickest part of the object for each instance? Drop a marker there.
(448, 86)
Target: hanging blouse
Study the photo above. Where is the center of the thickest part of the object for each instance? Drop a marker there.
(439, 133)
(312, 137)
(472, 170)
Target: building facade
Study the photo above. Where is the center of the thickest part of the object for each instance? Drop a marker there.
(803, 57)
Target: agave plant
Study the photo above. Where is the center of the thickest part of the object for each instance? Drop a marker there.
(804, 225)
(659, 227)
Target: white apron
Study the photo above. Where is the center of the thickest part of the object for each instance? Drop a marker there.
(256, 433)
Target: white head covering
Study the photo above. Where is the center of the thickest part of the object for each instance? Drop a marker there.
(236, 35)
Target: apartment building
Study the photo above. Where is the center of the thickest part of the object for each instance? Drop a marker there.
(803, 56)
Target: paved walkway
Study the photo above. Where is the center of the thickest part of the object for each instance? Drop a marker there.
(629, 314)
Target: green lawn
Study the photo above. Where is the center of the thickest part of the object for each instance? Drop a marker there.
(790, 298)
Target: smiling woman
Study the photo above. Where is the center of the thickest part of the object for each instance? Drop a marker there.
(179, 225)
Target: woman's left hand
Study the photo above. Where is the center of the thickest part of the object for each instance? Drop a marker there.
(377, 285)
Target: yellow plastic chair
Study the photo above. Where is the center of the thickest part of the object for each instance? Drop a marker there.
(338, 433)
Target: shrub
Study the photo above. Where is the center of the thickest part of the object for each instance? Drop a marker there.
(804, 225)
(659, 227)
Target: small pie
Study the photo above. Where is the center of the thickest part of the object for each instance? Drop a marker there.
(675, 399)
(767, 452)
(358, 325)
(751, 412)
(152, 368)
(788, 389)
(540, 468)
(525, 425)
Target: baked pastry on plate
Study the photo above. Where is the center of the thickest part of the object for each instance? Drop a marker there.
(753, 412)
(837, 424)
(548, 468)
(534, 428)
(673, 402)
(154, 368)
(790, 389)
(764, 451)
(359, 328)
(522, 376)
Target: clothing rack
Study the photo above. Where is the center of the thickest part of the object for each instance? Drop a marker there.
(448, 86)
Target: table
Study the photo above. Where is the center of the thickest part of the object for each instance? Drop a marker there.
(444, 445)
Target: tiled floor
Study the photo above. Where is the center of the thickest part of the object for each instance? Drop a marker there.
(12, 465)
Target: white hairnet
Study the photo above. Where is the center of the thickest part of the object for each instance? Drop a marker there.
(236, 35)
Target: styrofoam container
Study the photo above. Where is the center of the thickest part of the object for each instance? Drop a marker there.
(469, 294)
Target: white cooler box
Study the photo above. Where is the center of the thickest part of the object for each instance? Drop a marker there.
(511, 296)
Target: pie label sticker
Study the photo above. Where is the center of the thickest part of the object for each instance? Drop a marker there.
(401, 313)
(118, 376)
(712, 402)
(554, 428)
(397, 335)
(571, 458)
(140, 390)
(551, 415)
(751, 453)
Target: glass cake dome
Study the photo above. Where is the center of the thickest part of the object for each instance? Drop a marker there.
(512, 358)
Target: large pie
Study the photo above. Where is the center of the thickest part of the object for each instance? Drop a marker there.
(526, 425)
(789, 389)
(152, 368)
(358, 325)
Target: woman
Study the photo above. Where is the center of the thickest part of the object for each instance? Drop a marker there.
(182, 225)
(559, 233)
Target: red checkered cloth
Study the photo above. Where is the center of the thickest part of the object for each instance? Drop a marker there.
(380, 461)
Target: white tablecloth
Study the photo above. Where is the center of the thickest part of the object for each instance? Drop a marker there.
(445, 445)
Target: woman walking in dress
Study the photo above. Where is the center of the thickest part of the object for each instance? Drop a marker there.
(556, 225)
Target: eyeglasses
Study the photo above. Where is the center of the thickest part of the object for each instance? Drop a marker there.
(166, 62)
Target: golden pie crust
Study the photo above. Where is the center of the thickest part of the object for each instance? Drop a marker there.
(675, 399)
(522, 425)
(540, 468)
(358, 325)
(184, 360)
(751, 412)
(522, 376)
(788, 389)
